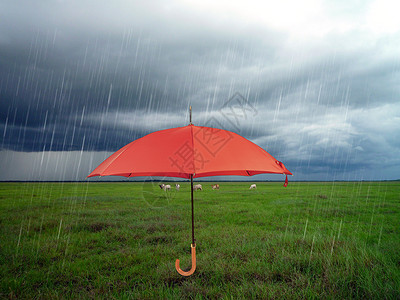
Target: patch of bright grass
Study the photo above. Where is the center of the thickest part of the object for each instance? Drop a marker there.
(120, 240)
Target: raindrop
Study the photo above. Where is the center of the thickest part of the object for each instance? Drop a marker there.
(333, 244)
(312, 247)
(19, 238)
(340, 228)
(305, 230)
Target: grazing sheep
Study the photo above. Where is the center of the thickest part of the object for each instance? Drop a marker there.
(253, 186)
(165, 187)
(215, 186)
(198, 187)
(177, 186)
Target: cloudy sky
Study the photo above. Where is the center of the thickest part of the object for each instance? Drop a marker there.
(320, 81)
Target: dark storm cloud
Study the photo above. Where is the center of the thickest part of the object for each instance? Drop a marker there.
(94, 76)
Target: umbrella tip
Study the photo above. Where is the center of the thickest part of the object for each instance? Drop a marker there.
(190, 110)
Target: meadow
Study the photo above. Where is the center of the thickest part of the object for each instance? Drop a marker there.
(120, 240)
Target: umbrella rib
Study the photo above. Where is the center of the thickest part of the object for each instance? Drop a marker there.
(191, 131)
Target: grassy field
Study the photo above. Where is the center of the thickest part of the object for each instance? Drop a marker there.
(121, 240)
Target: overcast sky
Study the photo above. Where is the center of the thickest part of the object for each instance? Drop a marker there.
(320, 81)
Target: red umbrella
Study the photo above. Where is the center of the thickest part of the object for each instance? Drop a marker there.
(190, 152)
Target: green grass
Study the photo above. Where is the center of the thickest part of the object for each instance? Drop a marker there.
(121, 240)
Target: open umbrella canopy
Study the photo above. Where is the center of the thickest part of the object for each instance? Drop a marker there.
(190, 150)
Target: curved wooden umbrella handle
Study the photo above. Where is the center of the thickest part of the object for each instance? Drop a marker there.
(191, 271)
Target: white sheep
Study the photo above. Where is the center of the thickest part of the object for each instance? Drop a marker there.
(215, 186)
(253, 186)
(177, 186)
(198, 187)
(165, 187)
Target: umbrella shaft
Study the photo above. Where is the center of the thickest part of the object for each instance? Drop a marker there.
(191, 184)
